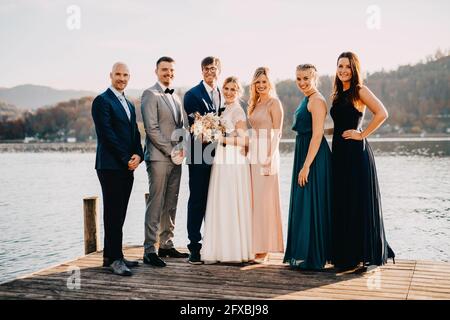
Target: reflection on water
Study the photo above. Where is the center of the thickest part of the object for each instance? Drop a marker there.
(41, 214)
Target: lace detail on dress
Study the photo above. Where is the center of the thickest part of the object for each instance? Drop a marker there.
(232, 115)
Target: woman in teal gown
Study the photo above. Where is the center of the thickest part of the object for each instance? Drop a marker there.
(309, 227)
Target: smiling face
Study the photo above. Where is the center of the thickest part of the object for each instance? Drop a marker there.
(306, 80)
(344, 70)
(165, 71)
(120, 75)
(210, 74)
(230, 92)
(262, 85)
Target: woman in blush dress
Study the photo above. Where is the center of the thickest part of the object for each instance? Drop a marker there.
(228, 218)
(265, 114)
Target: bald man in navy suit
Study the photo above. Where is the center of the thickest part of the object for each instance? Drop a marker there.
(119, 153)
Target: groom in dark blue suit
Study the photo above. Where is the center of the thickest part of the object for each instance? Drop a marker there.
(119, 153)
(203, 98)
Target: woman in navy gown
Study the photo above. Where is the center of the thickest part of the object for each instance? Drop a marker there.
(359, 238)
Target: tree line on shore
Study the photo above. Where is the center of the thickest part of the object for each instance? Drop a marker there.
(417, 98)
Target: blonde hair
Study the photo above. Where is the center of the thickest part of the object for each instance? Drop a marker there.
(254, 96)
(308, 66)
(236, 81)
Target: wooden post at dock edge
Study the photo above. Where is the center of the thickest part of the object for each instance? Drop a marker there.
(91, 225)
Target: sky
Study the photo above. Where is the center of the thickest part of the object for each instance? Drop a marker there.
(73, 44)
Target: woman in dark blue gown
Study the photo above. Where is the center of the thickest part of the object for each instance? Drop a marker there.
(309, 230)
(358, 231)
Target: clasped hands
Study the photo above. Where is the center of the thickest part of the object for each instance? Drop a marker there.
(134, 162)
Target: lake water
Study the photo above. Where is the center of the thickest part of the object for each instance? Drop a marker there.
(41, 207)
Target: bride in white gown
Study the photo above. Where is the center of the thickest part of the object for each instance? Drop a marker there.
(227, 229)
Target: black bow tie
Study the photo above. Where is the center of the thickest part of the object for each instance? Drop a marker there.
(170, 91)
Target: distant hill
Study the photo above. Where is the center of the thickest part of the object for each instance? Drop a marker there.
(30, 96)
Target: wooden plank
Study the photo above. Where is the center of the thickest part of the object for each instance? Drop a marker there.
(174, 263)
(419, 294)
(431, 289)
(431, 268)
(193, 288)
(288, 281)
(271, 280)
(233, 275)
(352, 293)
(123, 292)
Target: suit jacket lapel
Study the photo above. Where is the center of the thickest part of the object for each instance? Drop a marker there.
(118, 104)
(180, 110)
(206, 97)
(166, 100)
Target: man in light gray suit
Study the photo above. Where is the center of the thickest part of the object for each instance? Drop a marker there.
(163, 115)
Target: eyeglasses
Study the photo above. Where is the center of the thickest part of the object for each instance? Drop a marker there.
(209, 69)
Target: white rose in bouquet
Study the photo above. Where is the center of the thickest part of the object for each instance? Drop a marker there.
(208, 126)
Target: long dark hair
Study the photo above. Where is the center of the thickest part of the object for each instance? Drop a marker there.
(355, 82)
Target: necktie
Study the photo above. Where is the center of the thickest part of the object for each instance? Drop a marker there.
(213, 99)
(125, 106)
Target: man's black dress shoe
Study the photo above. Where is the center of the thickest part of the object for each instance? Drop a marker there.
(129, 263)
(172, 253)
(194, 258)
(153, 259)
(118, 267)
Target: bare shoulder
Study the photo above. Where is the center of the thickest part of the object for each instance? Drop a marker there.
(275, 104)
(365, 92)
(366, 95)
(317, 101)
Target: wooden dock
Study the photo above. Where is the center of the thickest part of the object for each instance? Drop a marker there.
(84, 278)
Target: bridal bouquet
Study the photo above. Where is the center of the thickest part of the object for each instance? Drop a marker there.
(208, 126)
